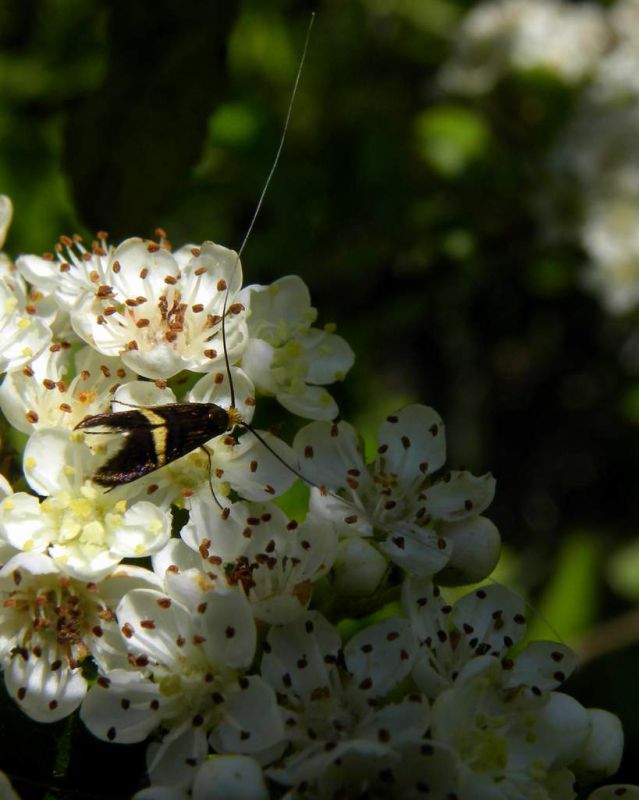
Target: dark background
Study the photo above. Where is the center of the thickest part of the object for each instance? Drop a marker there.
(126, 116)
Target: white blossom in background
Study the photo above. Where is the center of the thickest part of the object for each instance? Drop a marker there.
(402, 502)
(275, 560)
(285, 356)
(615, 80)
(590, 195)
(84, 529)
(51, 624)
(45, 395)
(189, 648)
(595, 160)
(561, 38)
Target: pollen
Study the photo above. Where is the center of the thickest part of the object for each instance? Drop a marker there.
(8, 504)
(82, 508)
(68, 470)
(121, 506)
(30, 463)
(93, 532)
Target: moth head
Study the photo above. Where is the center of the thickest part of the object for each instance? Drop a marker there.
(235, 418)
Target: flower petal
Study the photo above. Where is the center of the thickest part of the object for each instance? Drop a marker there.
(460, 495)
(232, 777)
(412, 444)
(380, 656)
(43, 693)
(125, 708)
(252, 719)
(313, 402)
(329, 452)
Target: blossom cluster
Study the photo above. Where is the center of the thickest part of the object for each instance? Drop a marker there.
(593, 50)
(259, 655)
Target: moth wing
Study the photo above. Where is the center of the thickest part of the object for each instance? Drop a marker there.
(123, 421)
(189, 426)
(136, 457)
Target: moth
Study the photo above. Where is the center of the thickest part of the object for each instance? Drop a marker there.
(157, 435)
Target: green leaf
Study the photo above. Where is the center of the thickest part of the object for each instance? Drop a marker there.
(570, 602)
(449, 138)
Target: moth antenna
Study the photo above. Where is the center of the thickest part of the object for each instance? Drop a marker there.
(129, 405)
(302, 477)
(267, 183)
(536, 611)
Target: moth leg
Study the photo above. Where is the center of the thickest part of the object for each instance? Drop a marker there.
(208, 456)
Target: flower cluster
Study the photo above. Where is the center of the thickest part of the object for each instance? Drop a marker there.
(216, 623)
(592, 166)
(500, 36)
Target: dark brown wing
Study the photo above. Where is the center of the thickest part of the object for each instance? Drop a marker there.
(136, 457)
(119, 421)
(190, 425)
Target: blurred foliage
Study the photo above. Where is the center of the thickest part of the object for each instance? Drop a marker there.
(410, 218)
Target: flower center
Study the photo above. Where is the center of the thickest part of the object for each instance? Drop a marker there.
(81, 519)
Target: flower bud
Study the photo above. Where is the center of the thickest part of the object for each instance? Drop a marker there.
(476, 546)
(358, 568)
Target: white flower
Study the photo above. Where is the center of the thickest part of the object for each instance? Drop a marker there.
(232, 777)
(41, 396)
(24, 325)
(72, 273)
(85, 530)
(189, 649)
(6, 215)
(343, 737)
(51, 623)
(609, 234)
(275, 560)
(602, 754)
(285, 356)
(514, 736)
(487, 621)
(563, 39)
(160, 312)
(410, 515)
(615, 792)
(6, 790)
